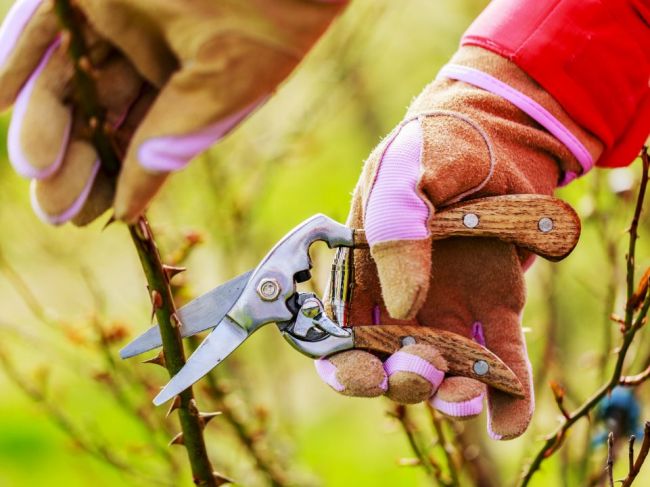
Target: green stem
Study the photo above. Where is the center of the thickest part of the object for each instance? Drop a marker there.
(158, 284)
(191, 423)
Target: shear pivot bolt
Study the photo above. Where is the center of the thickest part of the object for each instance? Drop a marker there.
(268, 289)
(545, 225)
(481, 367)
(470, 220)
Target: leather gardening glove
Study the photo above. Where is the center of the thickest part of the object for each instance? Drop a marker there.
(175, 76)
(456, 142)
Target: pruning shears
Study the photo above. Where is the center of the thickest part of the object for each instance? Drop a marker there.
(267, 294)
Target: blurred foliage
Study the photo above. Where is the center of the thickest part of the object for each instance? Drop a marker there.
(71, 297)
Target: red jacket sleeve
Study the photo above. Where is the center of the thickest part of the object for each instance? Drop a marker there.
(592, 56)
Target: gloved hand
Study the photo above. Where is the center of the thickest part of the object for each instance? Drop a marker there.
(457, 142)
(175, 76)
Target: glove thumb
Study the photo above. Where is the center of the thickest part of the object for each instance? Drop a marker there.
(395, 221)
(404, 269)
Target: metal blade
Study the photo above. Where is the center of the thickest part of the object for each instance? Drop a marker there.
(196, 316)
(225, 338)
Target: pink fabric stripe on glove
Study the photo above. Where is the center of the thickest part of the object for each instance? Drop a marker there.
(326, 370)
(527, 105)
(406, 362)
(76, 206)
(174, 152)
(395, 211)
(471, 407)
(17, 156)
(14, 24)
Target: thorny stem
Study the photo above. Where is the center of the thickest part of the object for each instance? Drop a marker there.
(71, 21)
(432, 469)
(115, 387)
(265, 463)
(97, 450)
(158, 282)
(444, 445)
(631, 326)
(23, 290)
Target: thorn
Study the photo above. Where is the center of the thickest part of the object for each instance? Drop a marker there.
(108, 129)
(156, 301)
(409, 462)
(84, 64)
(172, 270)
(193, 238)
(221, 480)
(176, 323)
(177, 440)
(176, 403)
(144, 230)
(207, 417)
(110, 221)
(157, 360)
(66, 39)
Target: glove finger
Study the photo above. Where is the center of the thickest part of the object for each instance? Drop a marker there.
(353, 373)
(36, 147)
(459, 397)
(477, 291)
(222, 86)
(509, 416)
(414, 373)
(61, 197)
(118, 86)
(26, 33)
(396, 219)
(79, 190)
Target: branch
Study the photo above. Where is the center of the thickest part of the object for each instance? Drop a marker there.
(78, 436)
(634, 235)
(263, 457)
(444, 445)
(158, 283)
(432, 469)
(632, 324)
(643, 453)
(609, 468)
(635, 380)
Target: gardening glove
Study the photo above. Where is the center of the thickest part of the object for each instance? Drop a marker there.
(174, 77)
(457, 142)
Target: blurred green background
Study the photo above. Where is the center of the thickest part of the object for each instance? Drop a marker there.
(62, 289)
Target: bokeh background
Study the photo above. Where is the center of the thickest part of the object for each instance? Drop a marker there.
(72, 414)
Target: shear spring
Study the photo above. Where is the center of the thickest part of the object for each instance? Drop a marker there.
(341, 285)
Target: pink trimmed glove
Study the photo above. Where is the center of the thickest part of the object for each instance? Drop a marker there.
(483, 128)
(174, 77)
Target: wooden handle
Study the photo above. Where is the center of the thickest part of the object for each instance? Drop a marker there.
(547, 226)
(464, 356)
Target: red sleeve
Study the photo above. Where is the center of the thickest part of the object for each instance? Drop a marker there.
(592, 56)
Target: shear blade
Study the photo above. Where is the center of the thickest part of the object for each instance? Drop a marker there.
(198, 315)
(223, 340)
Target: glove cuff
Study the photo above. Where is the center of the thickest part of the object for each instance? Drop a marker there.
(493, 73)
